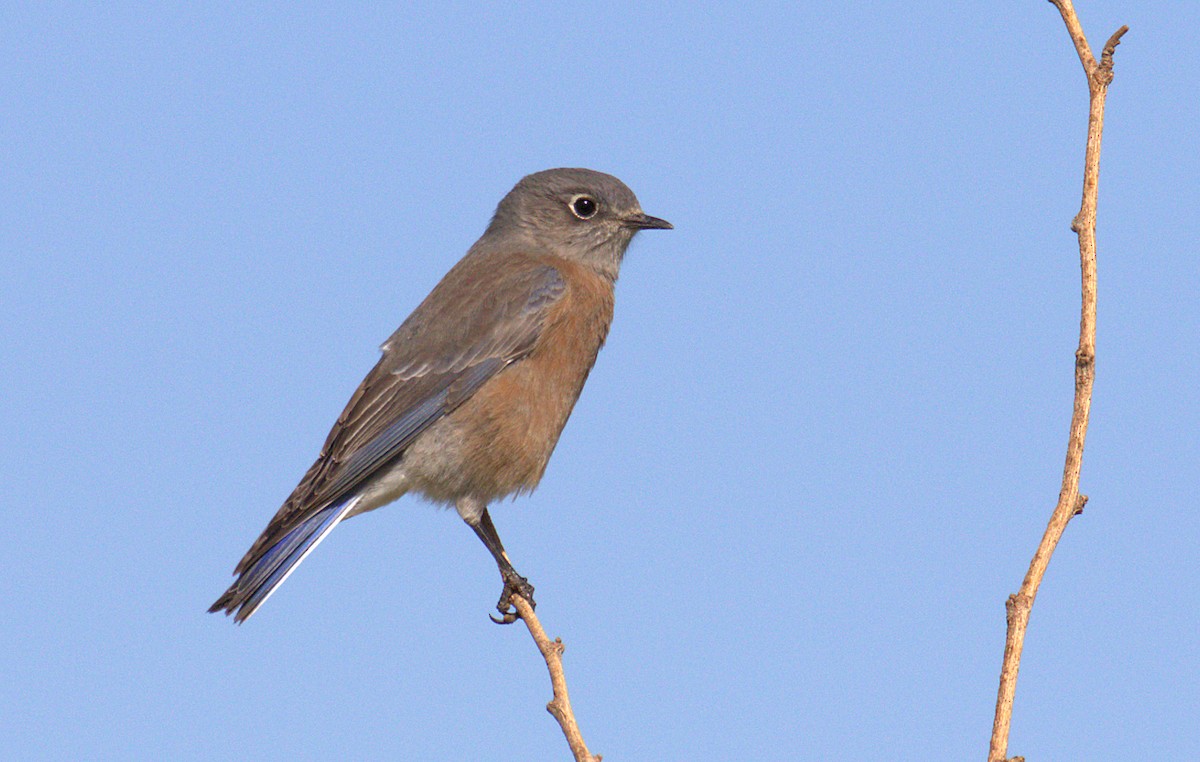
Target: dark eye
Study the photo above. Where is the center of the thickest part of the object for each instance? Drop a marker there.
(584, 207)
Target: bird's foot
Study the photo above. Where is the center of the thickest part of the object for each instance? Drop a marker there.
(514, 584)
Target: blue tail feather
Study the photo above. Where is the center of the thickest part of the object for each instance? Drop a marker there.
(269, 572)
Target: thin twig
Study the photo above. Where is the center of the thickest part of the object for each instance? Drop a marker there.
(560, 705)
(1110, 47)
(1070, 502)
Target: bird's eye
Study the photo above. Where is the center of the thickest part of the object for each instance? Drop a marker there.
(584, 207)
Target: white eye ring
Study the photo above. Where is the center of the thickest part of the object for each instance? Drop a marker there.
(583, 206)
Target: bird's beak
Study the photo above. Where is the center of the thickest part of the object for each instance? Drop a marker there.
(642, 221)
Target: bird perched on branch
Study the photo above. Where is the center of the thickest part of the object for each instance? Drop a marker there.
(473, 390)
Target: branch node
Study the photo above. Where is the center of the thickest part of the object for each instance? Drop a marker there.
(1084, 359)
(1080, 501)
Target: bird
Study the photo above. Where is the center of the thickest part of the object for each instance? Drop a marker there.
(472, 391)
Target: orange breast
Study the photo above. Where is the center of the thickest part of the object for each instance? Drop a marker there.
(511, 425)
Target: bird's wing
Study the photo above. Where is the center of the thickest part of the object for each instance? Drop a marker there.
(484, 315)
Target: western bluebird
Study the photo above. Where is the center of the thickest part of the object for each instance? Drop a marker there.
(473, 390)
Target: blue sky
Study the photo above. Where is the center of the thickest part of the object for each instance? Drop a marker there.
(813, 460)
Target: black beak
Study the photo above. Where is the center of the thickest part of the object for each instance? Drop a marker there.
(646, 222)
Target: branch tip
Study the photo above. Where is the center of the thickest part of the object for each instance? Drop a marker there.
(1106, 56)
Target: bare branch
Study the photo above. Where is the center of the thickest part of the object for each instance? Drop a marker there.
(560, 705)
(1075, 29)
(1070, 502)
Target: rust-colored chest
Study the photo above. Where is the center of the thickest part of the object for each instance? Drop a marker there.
(511, 426)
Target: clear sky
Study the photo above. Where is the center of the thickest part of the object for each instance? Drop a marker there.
(814, 458)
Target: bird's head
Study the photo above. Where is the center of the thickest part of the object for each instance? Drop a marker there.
(578, 214)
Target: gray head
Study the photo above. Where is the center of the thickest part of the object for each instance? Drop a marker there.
(576, 213)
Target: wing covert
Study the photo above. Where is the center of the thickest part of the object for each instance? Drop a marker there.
(487, 313)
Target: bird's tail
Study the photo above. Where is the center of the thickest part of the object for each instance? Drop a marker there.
(255, 585)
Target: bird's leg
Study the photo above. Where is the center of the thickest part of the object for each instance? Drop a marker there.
(513, 583)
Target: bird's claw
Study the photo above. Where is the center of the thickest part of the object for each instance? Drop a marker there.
(514, 584)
